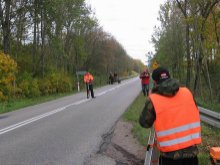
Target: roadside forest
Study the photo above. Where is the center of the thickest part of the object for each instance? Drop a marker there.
(44, 43)
(188, 43)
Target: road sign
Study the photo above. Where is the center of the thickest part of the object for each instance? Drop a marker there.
(154, 65)
(81, 72)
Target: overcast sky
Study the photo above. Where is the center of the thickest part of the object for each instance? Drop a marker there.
(131, 22)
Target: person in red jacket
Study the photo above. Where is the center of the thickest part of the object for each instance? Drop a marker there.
(173, 113)
(145, 78)
(88, 79)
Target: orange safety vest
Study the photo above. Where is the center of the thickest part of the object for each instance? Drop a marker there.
(177, 123)
(88, 78)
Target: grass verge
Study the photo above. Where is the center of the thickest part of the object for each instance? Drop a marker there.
(215, 106)
(24, 102)
(210, 135)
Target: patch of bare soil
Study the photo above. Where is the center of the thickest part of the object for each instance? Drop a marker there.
(120, 147)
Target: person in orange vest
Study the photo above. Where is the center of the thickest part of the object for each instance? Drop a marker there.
(88, 80)
(145, 79)
(173, 113)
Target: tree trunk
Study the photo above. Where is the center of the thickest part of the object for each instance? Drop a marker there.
(209, 81)
(43, 42)
(5, 22)
(35, 21)
(188, 75)
(184, 11)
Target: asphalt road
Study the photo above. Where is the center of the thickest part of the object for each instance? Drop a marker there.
(65, 131)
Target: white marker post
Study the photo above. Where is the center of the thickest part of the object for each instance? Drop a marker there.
(77, 75)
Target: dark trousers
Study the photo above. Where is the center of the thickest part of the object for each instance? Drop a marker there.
(145, 89)
(89, 88)
(185, 161)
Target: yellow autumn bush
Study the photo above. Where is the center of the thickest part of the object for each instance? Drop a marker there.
(8, 68)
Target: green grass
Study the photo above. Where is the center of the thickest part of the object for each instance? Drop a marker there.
(210, 135)
(215, 106)
(15, 104)
(132, 115)
(210, 138)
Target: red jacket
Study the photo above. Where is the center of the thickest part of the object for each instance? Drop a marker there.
(145, 78)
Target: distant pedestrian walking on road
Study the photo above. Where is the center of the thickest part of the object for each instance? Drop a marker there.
(145, 79)
(172, 111)
(88, 79)
(111, 78)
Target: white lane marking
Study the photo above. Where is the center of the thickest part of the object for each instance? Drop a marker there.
(36, 118)
(14, 126)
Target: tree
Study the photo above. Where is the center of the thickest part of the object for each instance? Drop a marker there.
(8, 68)
(184, 7)
(5, 7)
(169, 39)
(204, 10)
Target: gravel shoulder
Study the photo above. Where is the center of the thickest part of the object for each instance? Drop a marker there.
(119, 147)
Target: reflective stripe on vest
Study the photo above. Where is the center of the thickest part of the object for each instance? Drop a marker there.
(177, 123)
(180, 140)
(178, 129)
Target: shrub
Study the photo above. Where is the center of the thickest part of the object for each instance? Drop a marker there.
(45, 86)
(58, 82)
(34, 88)
(8, 69)
(65, 84)
(28, 86)
(24, 86)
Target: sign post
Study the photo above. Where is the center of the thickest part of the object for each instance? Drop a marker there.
(77, 75)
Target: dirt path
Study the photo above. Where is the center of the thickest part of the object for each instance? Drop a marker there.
(119, 148)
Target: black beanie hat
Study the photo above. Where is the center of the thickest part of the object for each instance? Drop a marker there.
(160, 74)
